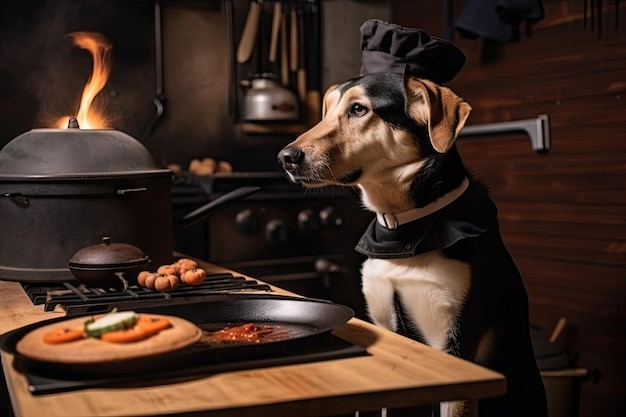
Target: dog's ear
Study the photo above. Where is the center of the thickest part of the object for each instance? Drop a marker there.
(438, 108)
(324, 104)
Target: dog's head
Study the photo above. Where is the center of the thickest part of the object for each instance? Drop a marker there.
(379, 130)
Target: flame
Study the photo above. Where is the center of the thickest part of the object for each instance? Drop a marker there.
(88, 116)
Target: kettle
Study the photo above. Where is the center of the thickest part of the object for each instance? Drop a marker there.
(268, 100)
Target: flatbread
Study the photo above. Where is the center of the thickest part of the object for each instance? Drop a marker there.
(91, 350)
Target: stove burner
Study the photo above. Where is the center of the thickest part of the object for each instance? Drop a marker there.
(79, 299)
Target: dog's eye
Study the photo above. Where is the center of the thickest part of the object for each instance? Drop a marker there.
(358, 110)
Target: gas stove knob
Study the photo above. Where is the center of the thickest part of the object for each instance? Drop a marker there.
(331, 218)
(247, 222)
(277, 231)
(308, 221)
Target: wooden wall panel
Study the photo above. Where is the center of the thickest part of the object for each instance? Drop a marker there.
(563, 213)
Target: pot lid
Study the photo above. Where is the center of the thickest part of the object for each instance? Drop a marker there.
(108, 254)
(41, 153)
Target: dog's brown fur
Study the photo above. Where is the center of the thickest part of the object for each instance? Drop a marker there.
(393, 137)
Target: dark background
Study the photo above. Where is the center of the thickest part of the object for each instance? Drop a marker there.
(562, 214)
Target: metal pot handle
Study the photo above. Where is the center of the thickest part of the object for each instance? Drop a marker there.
(121, 277)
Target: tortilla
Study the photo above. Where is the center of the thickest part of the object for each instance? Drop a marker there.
(91, 350)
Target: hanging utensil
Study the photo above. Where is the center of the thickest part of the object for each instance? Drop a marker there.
(249, 34)
(313, 101)
(233, 99)
(599, 6)
(159, 99)
(293, 45)
(301, 71)
(276, 23)
(593, 12)
(284, 54)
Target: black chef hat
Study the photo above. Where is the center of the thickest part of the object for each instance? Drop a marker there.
(386, 47)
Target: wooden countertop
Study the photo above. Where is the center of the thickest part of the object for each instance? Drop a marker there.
(397, 372)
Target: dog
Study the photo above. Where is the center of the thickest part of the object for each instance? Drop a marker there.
(437, 269)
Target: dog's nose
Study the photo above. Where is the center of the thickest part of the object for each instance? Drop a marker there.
(290, 158)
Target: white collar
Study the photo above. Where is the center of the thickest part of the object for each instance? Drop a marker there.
(391, 221)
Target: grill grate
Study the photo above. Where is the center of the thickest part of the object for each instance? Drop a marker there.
(79, 299)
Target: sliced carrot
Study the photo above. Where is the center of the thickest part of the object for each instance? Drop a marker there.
(143, 329)
(153, 325)
(131, 335)
(63, 335)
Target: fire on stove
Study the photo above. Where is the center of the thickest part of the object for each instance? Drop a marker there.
(88, 117)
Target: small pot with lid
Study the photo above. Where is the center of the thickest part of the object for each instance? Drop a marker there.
(108, 265)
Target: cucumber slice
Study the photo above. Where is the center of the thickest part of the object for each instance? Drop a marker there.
(110, 322)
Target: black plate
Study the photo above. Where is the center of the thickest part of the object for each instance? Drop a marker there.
(309, 318)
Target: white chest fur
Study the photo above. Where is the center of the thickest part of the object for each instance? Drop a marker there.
(431, 288)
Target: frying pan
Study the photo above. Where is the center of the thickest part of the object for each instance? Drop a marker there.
(306, 319)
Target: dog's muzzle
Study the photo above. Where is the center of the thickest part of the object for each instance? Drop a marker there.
(290, 158)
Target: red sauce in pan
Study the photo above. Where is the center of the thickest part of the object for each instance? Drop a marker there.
(247, 333)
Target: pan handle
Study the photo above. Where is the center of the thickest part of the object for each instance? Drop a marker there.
(200, 214)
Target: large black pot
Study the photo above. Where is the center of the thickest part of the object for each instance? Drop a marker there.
(65, 189)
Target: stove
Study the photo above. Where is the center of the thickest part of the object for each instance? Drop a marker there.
(75, 299)
(298, 239)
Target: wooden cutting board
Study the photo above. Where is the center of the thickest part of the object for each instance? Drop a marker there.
(91, 350)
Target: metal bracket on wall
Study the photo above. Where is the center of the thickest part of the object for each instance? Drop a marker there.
(538, 129)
